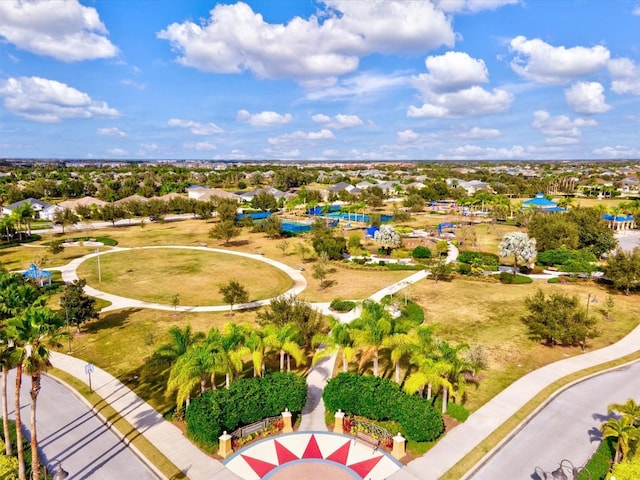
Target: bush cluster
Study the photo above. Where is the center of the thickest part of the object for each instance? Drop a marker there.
(421, 252)
(380, 399)
(342, 306)
(244, 402)
(483, 258)
(510, 278)
(582, 260)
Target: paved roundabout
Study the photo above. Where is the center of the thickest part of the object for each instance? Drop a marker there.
(311, 455)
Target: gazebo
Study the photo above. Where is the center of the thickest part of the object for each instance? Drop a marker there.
(37, 274)
(619, 223)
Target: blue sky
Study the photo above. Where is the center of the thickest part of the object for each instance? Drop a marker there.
(320, 80)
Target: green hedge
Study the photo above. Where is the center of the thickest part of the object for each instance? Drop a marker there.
(510, 278)
(598, 465)
(342, 306)
(380, 399)
(553, 280)
(244, 402)
(470, 256)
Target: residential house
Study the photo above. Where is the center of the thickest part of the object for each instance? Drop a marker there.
(41, 209)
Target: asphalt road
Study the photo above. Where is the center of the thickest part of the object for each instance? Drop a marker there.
(69, 432)
(566, 428)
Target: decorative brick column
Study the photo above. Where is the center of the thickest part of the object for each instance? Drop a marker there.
(224, 446)
(398, 447)
(286, 421)
(337, 425)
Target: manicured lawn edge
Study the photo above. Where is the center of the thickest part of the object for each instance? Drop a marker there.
(481, 453)
(131, 437)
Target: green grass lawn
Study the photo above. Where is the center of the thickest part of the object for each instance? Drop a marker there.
(156, 275)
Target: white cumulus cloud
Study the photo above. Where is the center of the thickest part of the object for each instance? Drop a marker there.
(66, 31)
(625, 76)
(201, 146)
(474, 101)
(618, 151)
(477, 133)
(450, 72)
(263, 119)
(44, 100)
(540, 62)
(111, 132)
(586, 97)
(472, 6)
(451, 88)
(196, 128)
(560, 130)
(300, 136)
(338, 121)
(407, 136)
(313, 51)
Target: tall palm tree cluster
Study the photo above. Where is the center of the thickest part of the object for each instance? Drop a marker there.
(194, 359)
(18, 223)
(28, 329)
(433, 364)
(624, 428)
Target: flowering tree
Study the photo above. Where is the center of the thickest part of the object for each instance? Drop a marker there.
(520, 246)
(388, 238)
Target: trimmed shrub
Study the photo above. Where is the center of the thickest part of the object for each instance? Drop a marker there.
(553, 280)
(421, 252)
(381, 399)
(342, 306)
(244, 402)
(464, 269)
(509, 278)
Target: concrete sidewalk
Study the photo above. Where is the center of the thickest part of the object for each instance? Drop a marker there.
(465, 437)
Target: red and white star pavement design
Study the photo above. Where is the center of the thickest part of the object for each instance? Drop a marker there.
(311, 456)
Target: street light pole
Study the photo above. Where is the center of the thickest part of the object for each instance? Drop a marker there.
(99, 271)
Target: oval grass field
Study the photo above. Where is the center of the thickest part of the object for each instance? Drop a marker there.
(158, 274)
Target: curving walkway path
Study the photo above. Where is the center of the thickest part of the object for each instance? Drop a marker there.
(69, 274)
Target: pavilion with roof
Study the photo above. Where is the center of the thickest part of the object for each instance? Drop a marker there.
(541, 204)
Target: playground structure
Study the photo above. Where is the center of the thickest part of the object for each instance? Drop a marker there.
(37, 275)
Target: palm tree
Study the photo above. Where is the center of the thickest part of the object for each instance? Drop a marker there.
(339, 338)
(400, 345)
(6, 361)
(255, 343)
(630, 409)
(16, 297)
(232, 351)
(368, 331)
(193, 368)
(286, 340)
(39, 328)
(457, 367)
(431, 373)
(179, 341)
(624, 432)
